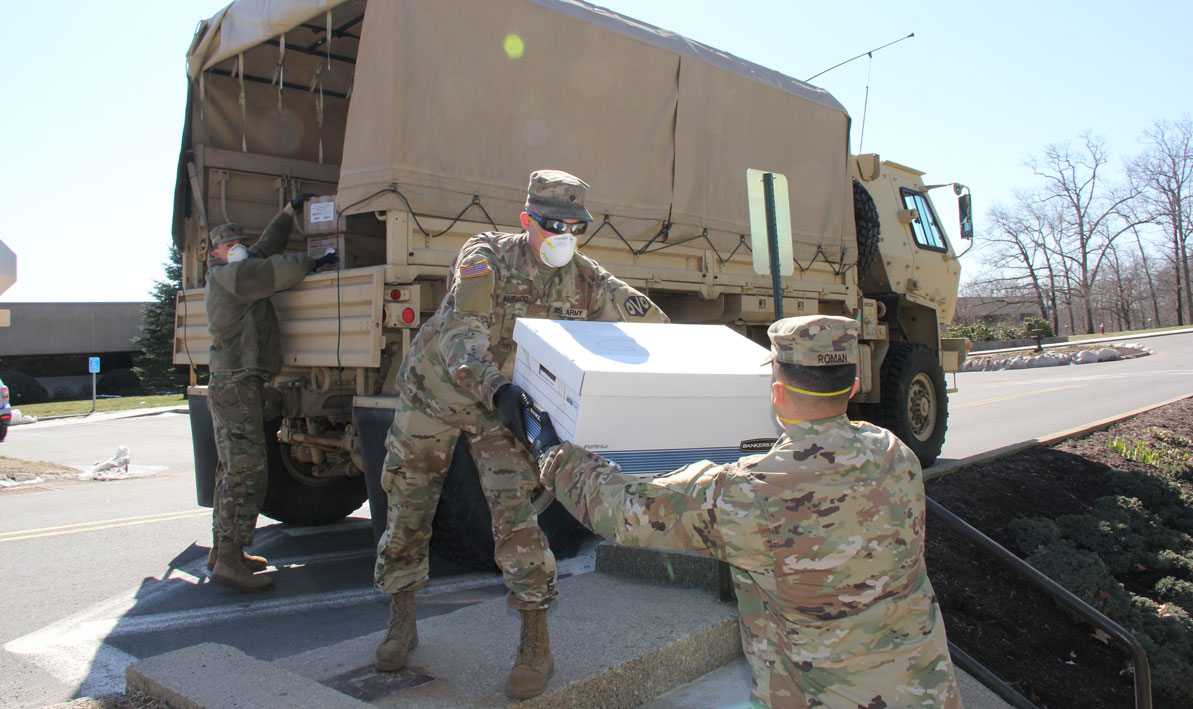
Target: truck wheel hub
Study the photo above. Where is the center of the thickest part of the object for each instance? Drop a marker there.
(921, 407)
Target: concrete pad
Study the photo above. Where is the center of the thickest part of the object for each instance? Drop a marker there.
(616, 642)
(211, 675)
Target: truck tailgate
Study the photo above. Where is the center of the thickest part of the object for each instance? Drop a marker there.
(329, 320)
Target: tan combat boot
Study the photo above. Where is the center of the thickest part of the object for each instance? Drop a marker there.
(402, 635)
(534, 665)
(230, 570)
(252, 563)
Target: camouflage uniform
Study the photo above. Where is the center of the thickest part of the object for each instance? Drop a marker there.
(825, 535)
(458, 360)
(245, 352)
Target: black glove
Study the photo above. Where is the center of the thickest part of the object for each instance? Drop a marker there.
(546, 438)
(325, 259)
(296, 203)
(509, 401)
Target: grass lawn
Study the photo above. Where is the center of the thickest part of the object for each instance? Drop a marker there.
(66, 408)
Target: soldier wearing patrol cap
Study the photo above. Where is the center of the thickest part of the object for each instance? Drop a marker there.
(824, 535)
(455, 380)
(245, 352)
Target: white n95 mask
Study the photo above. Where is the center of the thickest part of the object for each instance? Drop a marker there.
(237, 253)
(557, 250)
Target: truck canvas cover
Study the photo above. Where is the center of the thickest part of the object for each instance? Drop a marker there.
(456, 99)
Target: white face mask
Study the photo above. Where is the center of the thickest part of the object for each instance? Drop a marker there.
(557, 250)
(237, 253)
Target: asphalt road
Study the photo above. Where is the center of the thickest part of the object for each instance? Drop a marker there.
(95, 575)
(991, 410)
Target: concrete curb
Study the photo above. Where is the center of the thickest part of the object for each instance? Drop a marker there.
(1082, 342)
(211, 675)
(122, 413)
(938, 469)
(616, 643)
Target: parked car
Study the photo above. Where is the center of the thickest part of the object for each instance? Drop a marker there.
(5, 410)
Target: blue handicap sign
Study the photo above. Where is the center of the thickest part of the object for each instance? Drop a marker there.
(93, 365)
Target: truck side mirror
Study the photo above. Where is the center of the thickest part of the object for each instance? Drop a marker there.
(965, 212)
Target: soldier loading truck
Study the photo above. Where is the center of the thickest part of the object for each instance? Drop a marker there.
(418, 122)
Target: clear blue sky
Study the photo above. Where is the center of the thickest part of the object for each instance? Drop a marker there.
(94, 98)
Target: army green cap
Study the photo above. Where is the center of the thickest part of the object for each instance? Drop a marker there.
(814, 340)
(226, 232)
(557, 194)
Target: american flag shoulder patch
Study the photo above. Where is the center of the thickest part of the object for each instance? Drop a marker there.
(472, 270)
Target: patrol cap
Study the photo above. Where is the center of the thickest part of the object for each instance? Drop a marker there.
(814, 340)
(226, 232)
(557, 194)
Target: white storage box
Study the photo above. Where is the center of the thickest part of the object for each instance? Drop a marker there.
(651, 397)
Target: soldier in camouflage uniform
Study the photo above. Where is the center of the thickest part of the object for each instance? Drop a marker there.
(824, 534)
(245, 352)
(455, 380)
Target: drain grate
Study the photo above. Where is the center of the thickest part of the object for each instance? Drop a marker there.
(367, 684)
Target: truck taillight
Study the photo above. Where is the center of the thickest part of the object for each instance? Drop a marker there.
(402, 305)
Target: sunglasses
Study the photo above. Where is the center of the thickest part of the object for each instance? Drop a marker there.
(558, 226)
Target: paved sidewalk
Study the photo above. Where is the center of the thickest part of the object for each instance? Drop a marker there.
(53, 421)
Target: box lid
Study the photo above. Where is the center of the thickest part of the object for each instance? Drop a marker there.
(645, 359)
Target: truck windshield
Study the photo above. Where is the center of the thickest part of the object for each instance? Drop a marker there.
(924, 227)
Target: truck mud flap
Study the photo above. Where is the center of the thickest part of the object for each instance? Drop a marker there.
(203, 443)
(372, 425)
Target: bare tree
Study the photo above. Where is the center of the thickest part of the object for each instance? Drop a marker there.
(1147, 272)
(1121, 292)
(1092, 213)
(1024, 239)
(1164, 176)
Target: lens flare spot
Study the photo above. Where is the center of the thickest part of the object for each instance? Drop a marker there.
(514, 46)
(535, 133)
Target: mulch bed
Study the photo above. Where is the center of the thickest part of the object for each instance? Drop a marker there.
(1000, 619)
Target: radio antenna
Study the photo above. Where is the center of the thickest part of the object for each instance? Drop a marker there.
(863, 54)
(866, 103)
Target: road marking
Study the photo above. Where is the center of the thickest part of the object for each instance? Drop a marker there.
(1014, 396)
(74, 649)
(75, 654)
(23, 534)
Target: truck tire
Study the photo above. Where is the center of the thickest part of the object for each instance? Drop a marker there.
(914, 404)
(865, 216)
(462, 530)
(292, 501)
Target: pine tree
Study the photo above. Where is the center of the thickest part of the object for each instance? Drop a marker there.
(155, 364)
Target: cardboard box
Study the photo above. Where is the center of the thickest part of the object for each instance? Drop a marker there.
(320, 215)
(650, 397)
(318, 245)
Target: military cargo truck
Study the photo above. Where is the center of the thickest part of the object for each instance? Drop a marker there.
(419, 121)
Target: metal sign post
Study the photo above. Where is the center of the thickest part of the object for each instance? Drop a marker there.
(93, 367)
(770, 229)
(772, 242)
